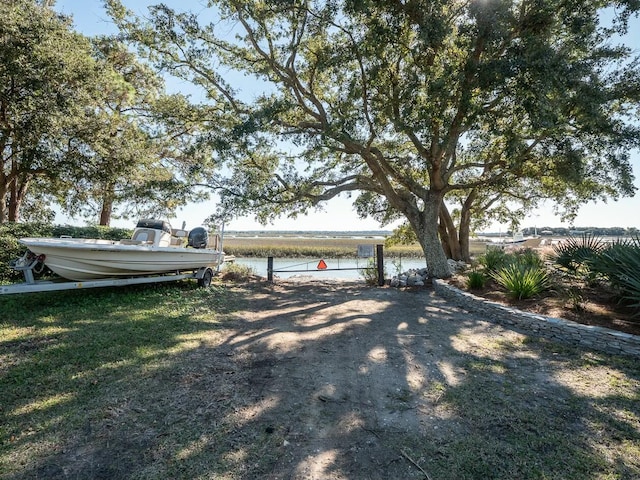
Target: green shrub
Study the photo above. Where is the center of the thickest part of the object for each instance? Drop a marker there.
(576, 254)
(619, 263)
(19, 230)
(522, 281)
(528, 257)
(493, 259)
(10, 249)
(370, 272)
(237, 273)
(476, 280)
(93, 231)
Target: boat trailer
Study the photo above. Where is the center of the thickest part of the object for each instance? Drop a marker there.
(30, 263)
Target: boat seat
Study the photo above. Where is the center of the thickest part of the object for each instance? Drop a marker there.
(129, 241)
(176, 242)
(144, 235)
(165, 239)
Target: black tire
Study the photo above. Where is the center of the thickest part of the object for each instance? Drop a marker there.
(205, 281)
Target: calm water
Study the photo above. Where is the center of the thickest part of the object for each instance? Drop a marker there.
(288, 267)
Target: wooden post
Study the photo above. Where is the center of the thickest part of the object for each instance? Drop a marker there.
(270, 269)
(380, 263)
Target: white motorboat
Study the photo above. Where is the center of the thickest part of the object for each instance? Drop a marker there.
(517, 241)
(154, 248)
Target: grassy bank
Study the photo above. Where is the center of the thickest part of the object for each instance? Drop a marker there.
(292, 247)
(331, 247)
(72, 362)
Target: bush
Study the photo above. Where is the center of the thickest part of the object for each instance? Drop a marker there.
(94, 231)
(529, 258)
(370, 272)
(619, 263)
(476, 280)
(522, 281)
(493, 259)
(19, 230)
(10, 249)
(576, 254)
(235, 272)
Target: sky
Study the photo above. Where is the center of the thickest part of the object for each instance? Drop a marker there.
(338, 214)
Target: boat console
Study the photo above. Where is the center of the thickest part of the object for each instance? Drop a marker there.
(152, 232)
(160, 234)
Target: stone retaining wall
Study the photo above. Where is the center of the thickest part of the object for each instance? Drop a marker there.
(558, 329)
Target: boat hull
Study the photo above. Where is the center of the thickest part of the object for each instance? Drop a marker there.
(90, 259)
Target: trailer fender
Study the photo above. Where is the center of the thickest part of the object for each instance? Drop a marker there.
(204, 276)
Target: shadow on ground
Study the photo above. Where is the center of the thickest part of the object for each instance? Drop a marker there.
(318, 380)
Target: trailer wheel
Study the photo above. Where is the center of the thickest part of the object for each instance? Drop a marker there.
(205, 281)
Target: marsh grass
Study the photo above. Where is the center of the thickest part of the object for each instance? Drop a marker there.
(331, 247)
(296, 247)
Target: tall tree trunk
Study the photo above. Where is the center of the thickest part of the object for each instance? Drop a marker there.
(17, 193)
(463, 237)
(107, 204)
(425, 224)
(449, 229)
(464, 231)
(106, 211)
(444, 238)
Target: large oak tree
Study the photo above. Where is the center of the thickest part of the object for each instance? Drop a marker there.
(407, 103)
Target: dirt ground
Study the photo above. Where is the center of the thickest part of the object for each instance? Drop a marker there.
(351, 380)
(330, 380)
(337, 368)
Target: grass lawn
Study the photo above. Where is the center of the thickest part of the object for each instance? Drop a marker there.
(136, 383)
(72, 359)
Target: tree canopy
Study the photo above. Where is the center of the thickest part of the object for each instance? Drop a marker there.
(86, 124)
(129, 143)
(409, 103)
(44, 72)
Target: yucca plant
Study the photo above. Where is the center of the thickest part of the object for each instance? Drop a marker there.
(529, 258)
(476, 280)
(493, 259)
(522, 281)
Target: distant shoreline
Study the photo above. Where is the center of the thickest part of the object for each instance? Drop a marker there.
(530, 231)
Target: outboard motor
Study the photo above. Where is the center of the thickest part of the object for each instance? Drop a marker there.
(198, 238)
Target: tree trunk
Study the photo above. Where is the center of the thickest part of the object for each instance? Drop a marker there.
(451, 233)
(3, 203)
(465, 224)
(463, 235)
(107, 204)
(425, 225)
(105, 212)
(17, 193)
(444, 238)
